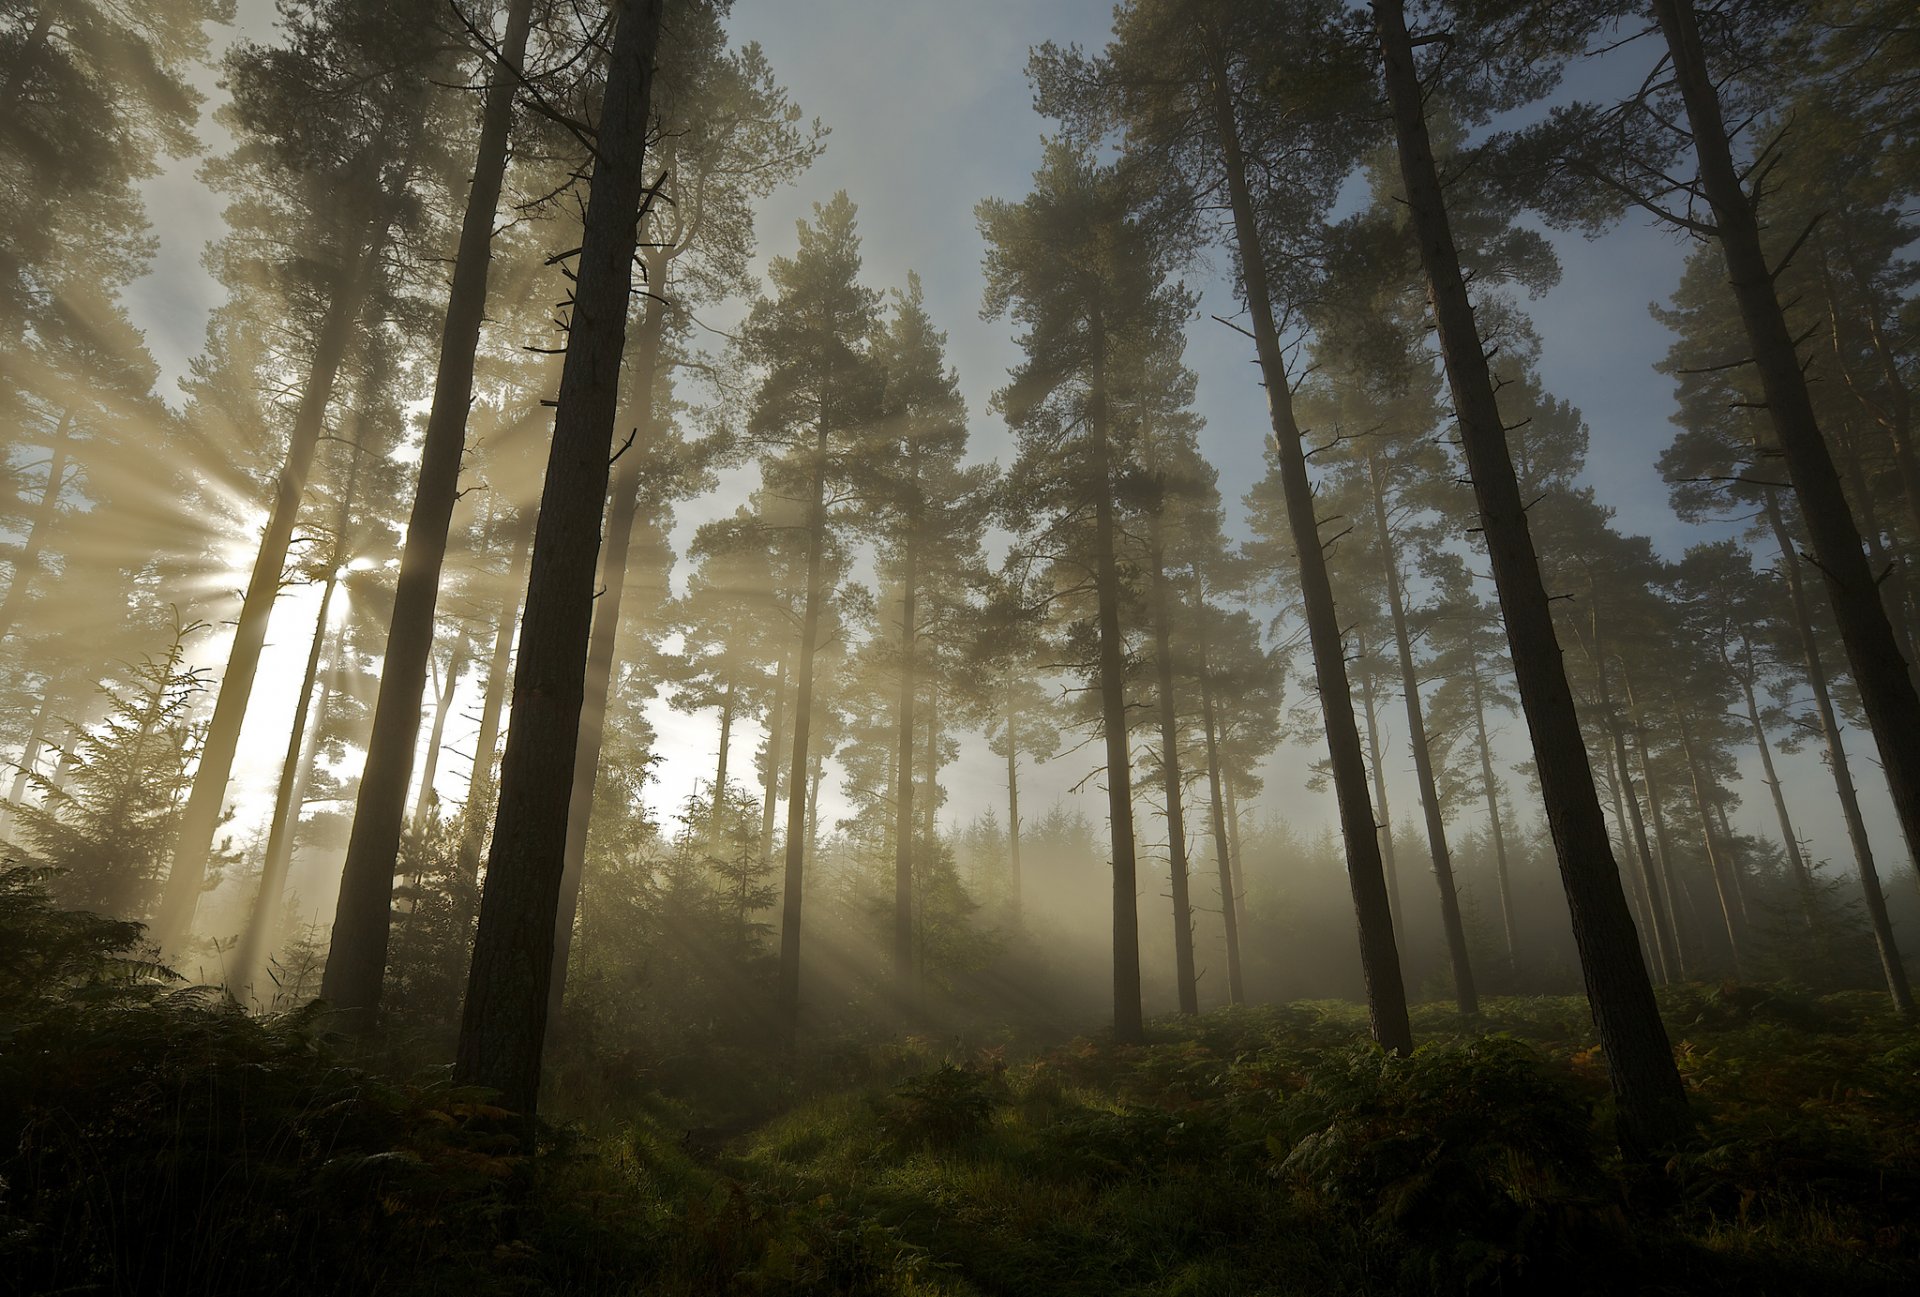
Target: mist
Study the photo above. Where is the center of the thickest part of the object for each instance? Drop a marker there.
(703, 646)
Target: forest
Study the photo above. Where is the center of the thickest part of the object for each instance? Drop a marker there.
(885, 647)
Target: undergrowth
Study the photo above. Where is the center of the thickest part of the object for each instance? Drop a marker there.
(155, 1140)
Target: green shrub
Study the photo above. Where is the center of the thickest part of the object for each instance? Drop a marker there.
(1473, 1162)
(943, 1108)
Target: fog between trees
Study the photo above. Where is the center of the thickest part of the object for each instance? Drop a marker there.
(557, 609)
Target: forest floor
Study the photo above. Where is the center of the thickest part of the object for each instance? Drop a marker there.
(168, 1146)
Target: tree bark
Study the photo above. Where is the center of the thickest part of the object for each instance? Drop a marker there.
(716, 814)
(1490, 789)
(903, 759)
(1013, 805)
(1222, 848)
(1676, 896)
(616, 548)
(1796, 859)
(27, 564)
(770, 775)
(788, 1001)
(1891, 966)
(1466, 997)
(1379, 956)
(480, 781)
(356, 962)
(1185, 980)
(200, 820)
(1383, 830)
(503, 1026)
(1668, 951)
(1716, 866)
(456, 663)
(1129, 1026)
(1879, 670)
(1646, 1082)
(248, 956)
(1233, 848)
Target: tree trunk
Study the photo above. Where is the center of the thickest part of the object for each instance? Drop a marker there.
(1668, 951)
(1222, 848)
(249, 955)
(356, 962)
(903, 776)
(1716, 866)
(1879, 671)
(616, 548)
(1490, 789)
(788, 1001)
(930, 805)
(456, 663)
(1676, 896)
(1636, 886)
(1013, 805)
(503, 1026)
(1876, 900)
(1383, 830)
(1646, 1083)
(29, 755)
(201, 818)
(1379, 957)
(1233, 849)
(45, 513)
(1185, 979)
(1128, 1024)
(716, 815)
(1796, 859)
(480, 781)
(1466, 997)
(770, 774)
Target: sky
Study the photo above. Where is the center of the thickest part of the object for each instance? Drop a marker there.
(930, 111)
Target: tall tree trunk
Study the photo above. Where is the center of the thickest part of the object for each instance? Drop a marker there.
(770, 772)
(717, 813)
(249, 955)
(1233, 847)
(503, 1025)
(357, 959)
(1490, 789)
(1716, 866)
(1646, 1083)
(1879, 671)
(480, 779)
(788, 997)
(1876, 900)
(1677, 897)
(623, 510)
(1668, 950)
(1013, 803)
(1222, 849)
(430, 766)
(930, 804)
(1790, 840)
(303, 747)
(45, 513)
(1379, 956)
(1637, 893)
(200, 820)
(1185, 980)
(1466, 997)
(30, 753)
(1129, 1026)
(903, 770)
(1370, 711)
